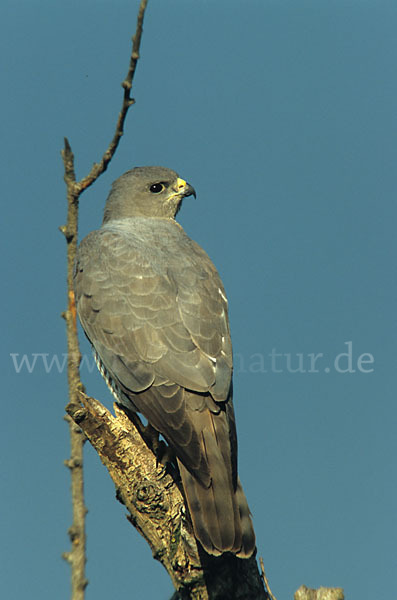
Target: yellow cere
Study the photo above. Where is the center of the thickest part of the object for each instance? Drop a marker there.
(180, 182)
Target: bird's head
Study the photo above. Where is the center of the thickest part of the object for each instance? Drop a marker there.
(147, 192)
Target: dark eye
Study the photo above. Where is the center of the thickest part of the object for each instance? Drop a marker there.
(156, 188)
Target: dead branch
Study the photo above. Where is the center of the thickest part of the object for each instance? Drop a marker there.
(152, 496)
(157, 509)
(77, 555)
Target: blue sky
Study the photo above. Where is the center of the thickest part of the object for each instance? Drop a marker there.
(282, 114)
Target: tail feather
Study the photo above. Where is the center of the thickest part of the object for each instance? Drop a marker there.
(219, 511)
(217, 499)
(217, 527)
(196, 496)
(247, 532)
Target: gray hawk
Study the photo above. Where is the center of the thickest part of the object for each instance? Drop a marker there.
(154, 309)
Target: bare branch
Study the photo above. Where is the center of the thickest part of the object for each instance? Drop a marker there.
(152, 496)
(157, 509)
(76, 556)
(99, 168)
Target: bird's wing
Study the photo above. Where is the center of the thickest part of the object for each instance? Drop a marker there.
(161, 334)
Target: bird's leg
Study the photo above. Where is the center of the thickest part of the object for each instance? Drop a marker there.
(163, 452)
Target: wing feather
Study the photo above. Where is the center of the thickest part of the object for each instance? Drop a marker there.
(159, 326)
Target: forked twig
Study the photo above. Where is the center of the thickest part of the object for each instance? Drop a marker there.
(77, 555)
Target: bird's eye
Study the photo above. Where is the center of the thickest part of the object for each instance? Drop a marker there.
(156, 188)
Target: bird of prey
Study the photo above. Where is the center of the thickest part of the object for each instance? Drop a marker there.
(154, 309)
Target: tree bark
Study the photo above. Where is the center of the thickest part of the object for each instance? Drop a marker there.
(157, 509)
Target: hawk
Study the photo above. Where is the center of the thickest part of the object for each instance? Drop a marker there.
(154, 309)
